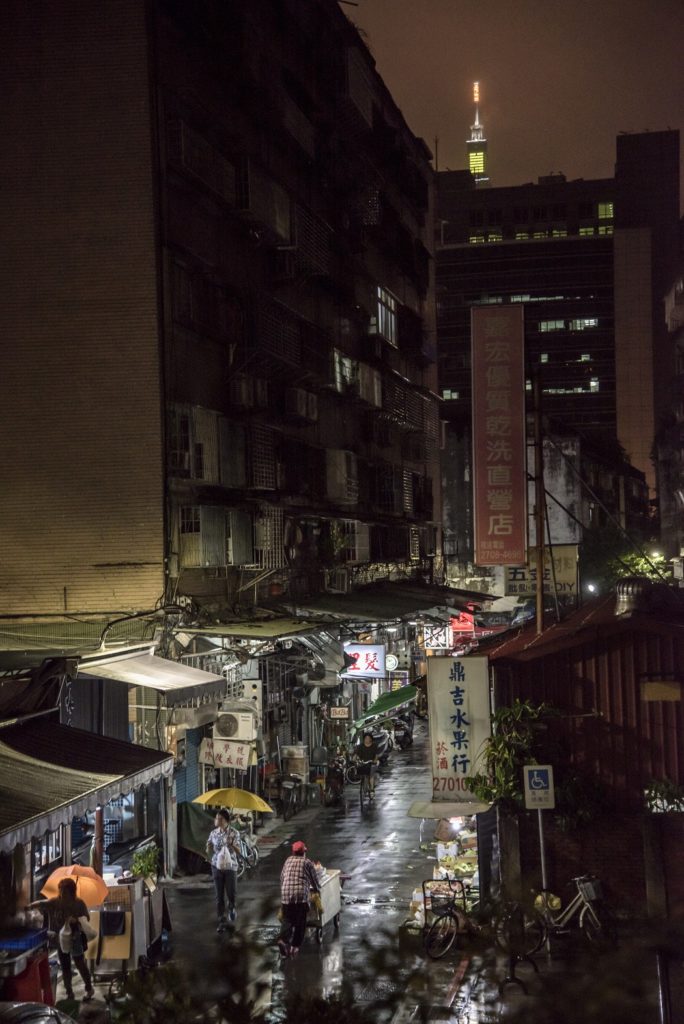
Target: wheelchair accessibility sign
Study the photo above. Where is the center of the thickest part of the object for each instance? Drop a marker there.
(539, 792)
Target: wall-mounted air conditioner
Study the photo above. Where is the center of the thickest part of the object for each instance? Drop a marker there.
(236, 725)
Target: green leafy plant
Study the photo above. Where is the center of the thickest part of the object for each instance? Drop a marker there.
(145, 862)
(662, 795)
(510, 746)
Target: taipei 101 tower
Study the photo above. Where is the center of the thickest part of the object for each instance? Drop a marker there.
(476, 146)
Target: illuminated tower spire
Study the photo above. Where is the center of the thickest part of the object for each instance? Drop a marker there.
(476, 146)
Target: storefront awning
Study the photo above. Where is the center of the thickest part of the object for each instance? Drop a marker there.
(255, 629)
(179, 683)
(445, 809)
(388, 601)
(50, 773)
(386, 705)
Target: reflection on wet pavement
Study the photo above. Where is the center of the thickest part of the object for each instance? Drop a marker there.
(380, 849)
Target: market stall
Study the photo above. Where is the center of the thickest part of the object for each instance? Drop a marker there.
(454, 868)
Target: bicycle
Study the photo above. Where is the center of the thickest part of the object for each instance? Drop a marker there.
(452, 921)
(594, 917)
(367, 783)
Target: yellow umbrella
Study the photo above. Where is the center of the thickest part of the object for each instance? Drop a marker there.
(232, 798)
(90, 887)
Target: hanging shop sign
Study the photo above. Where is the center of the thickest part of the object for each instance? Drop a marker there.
(499, 472)
(364, 660)
(437, 638)
(522, 579)
(227, 754)
(458, 701)
(464, 622)
(339, 713)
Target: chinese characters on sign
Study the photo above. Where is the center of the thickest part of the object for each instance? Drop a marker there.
(436, 638)
(458, 700)
(499, 487)
(523, 579)
(227, 754)
(366, 660)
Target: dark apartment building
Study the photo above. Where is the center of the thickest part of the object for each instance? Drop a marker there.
(588, 261)
(219, 375)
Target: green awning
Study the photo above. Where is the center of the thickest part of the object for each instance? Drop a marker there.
(386, 705)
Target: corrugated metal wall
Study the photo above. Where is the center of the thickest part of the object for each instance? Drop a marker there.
(630, 741)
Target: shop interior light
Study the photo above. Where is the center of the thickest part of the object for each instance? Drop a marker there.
(456, 824)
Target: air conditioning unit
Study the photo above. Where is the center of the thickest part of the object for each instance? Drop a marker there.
(242, 392)
(261, 393)
(236, 725)
(284, 265)
(301, 404)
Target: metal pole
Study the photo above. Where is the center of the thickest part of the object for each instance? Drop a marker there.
(542, 849)
(539, 503)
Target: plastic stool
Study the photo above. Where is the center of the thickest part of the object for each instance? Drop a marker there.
(33, 985)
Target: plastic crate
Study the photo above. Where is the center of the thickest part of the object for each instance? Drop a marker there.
(19, 940)
(591, 889)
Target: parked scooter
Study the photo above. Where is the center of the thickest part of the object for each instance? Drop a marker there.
(334, 782)
(403, 730)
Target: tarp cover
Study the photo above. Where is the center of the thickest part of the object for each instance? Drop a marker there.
(387, 704)
(50, 773)
(195, 822)
(179, 683)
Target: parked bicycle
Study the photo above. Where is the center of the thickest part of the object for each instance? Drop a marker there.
(586, 909)
(333, 786)
(294, 795)
(452, 921)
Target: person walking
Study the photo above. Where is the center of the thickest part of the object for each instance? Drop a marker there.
(62, 913)
(221, 850)
(298, 880)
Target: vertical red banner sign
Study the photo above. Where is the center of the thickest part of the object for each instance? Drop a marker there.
(499, 487)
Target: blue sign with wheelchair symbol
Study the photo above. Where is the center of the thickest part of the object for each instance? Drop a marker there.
(539, 791)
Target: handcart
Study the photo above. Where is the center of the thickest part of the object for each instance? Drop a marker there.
(331, 903)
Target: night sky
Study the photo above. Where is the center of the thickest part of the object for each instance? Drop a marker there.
(559, 79)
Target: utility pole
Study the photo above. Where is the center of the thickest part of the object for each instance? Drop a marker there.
(539, 502)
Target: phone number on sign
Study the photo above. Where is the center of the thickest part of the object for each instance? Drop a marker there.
(449, 784)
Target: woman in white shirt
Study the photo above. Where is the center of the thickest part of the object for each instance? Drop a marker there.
(221, 851)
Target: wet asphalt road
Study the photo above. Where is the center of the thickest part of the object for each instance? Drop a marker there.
(380, 848)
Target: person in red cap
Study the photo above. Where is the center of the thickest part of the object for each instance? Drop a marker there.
(297, 881)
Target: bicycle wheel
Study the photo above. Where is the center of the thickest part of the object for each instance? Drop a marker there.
(252, 856)
(441, 935)
(241, 864)
(352, 774)
(288, 805)
(599, 926)
(364, 791)
(519, 930)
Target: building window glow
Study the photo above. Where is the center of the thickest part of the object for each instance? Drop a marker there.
(449, 395)
(605, 229)
(583, 323)
(551, 325)
(559, 233)
(476, 161)
(476, 239)
(594, 384)
(540, 234)
(585, 358)
(520, 298)
(586, 231)
(387, 316)
(495, 236)
(521, 235)
(605, 211)
(544, 357)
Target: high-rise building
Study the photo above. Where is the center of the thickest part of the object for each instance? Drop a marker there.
(587, 261)
(476, 146)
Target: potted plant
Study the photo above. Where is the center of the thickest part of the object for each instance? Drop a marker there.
(145, 862)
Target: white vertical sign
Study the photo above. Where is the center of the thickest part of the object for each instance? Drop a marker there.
(458, 702)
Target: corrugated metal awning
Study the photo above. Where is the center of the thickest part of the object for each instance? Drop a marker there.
(384, 602)
(445, 809)
(255, 629)
(179, 683)
(51, 773)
